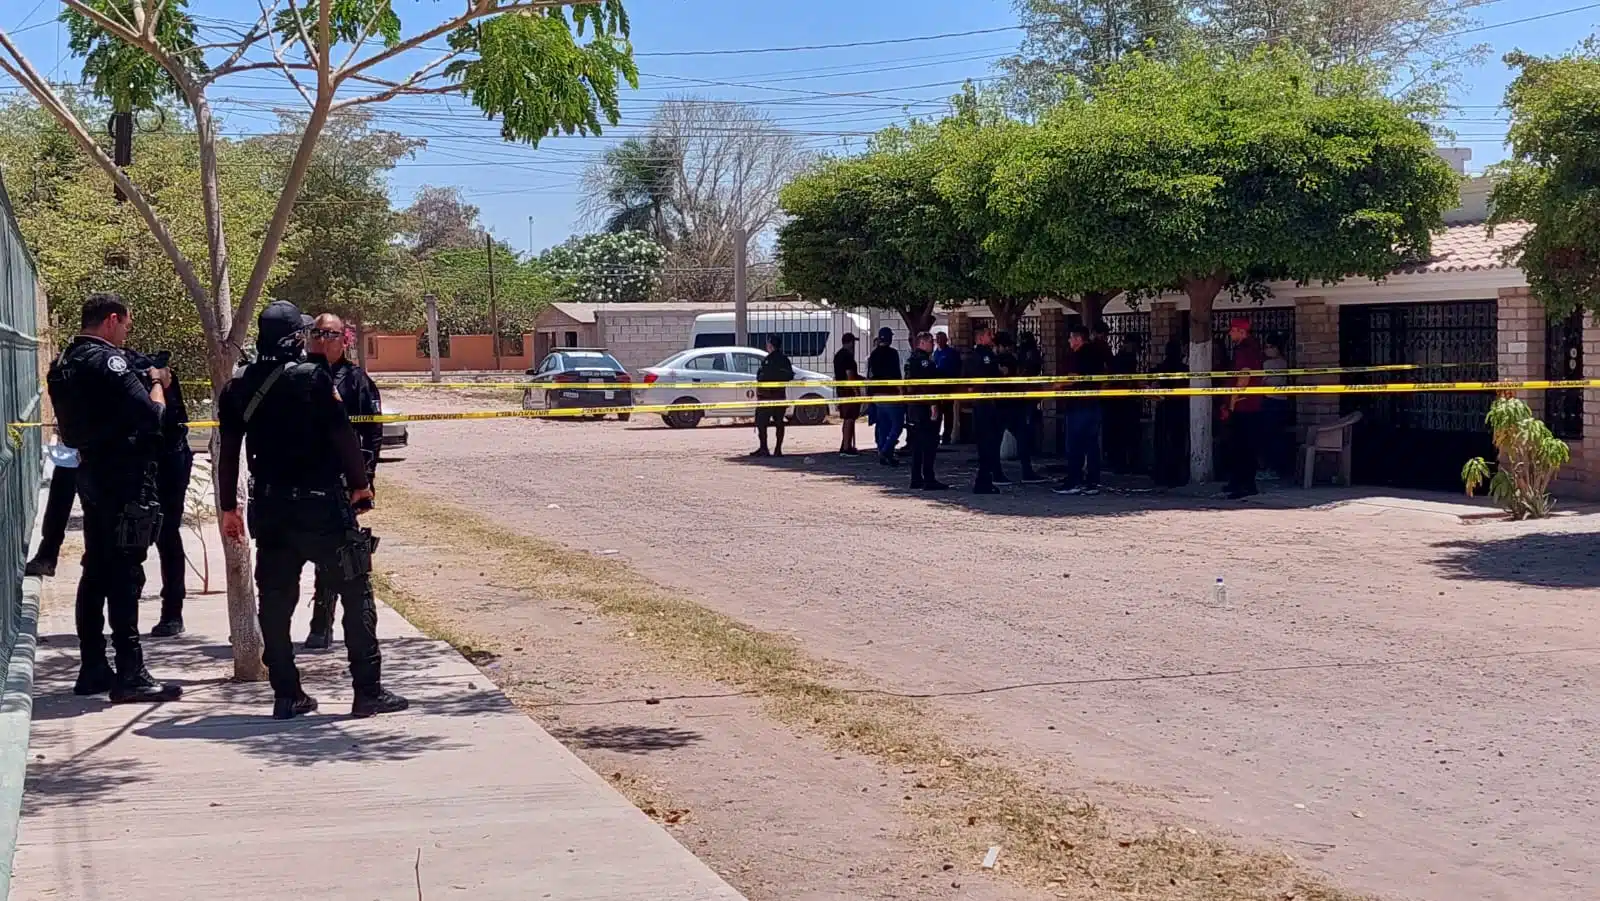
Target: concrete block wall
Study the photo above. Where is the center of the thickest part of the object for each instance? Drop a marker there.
(1316, 336)
(639, 339)
(1052, 346)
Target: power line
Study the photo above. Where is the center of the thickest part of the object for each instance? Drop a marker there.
(841, 46)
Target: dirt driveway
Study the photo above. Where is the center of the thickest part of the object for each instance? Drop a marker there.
(1396, 698)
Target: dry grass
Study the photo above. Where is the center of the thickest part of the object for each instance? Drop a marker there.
(968, 802)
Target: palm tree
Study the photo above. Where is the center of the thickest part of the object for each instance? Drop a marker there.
(637, 180)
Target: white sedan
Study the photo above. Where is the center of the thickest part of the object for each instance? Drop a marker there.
(718, 374)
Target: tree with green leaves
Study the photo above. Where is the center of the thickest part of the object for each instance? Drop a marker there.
(340, 249)
(537, 66)
(1067, 43)
(1215, 171)
(624, 267)
(1549, 180)
(439, 219)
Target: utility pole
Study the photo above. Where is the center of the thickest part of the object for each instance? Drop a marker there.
(433, 334)
(494, 310)
(741, 298)
(530, 237)
(741, 250)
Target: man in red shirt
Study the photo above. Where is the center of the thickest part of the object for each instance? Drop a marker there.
(1242, 415)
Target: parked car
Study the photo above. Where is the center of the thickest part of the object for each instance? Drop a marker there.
(724, 374)
(565, 372)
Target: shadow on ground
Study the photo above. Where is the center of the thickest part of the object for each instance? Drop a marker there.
(1541, 559)
(1123, 495)
(77, 780)
(628, 739)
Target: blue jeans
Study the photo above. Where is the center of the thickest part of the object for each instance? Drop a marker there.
(887, 421)
(1083, 446)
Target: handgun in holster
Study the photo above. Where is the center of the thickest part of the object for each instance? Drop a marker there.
(355, 557)
(138, 526)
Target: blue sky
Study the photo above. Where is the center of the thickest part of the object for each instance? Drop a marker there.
(801, 90)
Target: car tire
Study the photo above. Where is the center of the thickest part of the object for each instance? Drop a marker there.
(684, 419)
(816, 414)
(623, 417)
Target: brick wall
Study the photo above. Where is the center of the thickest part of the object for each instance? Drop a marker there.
(640, 339)
(1165, 324)
(1520, 354)
(1316, 338)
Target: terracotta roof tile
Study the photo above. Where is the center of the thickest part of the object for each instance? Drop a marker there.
(1469, 248)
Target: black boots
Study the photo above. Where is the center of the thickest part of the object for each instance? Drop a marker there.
(141, 688)
(168, 628)
(289, 708)
(318, 641)
(373, 701)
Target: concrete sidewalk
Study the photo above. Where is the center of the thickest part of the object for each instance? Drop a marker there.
(209, 798)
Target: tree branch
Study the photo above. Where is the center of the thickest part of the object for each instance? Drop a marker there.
(366, 32)
(305, 38)
(283, 64)
(31, 81)
(476, 9)
(262, 29)
(411, 85)
(279, 224)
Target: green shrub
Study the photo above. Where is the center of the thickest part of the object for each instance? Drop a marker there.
(1530, 456)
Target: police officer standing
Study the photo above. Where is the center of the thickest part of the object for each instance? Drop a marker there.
(983, 362)
(360, 397)
(174, 468)
(300, 447)
(922, 419)
(113, 418)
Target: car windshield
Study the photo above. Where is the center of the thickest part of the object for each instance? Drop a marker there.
(589, 360)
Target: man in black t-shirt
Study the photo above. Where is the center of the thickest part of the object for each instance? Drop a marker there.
(883, 364)
(844, 370)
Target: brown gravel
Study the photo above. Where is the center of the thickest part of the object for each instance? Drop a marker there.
(1396, 698)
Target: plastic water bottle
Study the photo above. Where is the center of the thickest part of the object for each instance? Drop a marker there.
(1220, 596)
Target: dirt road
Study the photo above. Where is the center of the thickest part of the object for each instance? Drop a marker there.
(1397, 698)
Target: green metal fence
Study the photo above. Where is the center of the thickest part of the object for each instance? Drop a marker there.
(21, 458)
(21, 462)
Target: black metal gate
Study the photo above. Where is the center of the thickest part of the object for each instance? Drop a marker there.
(1563, 359)
(1419, 440)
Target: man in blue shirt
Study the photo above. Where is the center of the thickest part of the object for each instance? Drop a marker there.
(946, 365)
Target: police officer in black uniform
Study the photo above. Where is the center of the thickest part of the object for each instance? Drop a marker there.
(922, 419)
(308, 482)
(360, 398)
(174, 467)
(113, 417)
(983, 362)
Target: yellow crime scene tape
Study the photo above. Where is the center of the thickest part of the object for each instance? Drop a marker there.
(894, 383)
(751, 404)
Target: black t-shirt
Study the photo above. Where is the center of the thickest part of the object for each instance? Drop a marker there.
(844, 370)
(883, 363)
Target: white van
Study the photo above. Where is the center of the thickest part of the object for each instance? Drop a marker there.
(810, 337)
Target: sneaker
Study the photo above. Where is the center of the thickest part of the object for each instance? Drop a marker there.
(935, 486)
(1002, 482)
(168, 628)
(375, 701)
(142, 688)
(758, 452)
(318, 641)
(1091, 491)
(850, 452)
(1070, 490)
(289, 708)
(94, 680)
(777, 452)
(1033, 478)
(40, 568)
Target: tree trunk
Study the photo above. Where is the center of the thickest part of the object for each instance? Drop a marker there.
(1093, 305)
(919, 320)
(1202, 293)
(243, 630)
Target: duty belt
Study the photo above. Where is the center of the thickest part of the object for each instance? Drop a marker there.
(290, 492)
